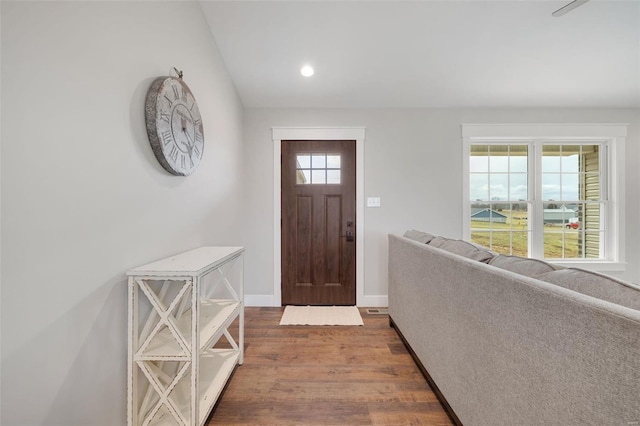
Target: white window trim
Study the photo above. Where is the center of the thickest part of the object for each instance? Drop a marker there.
(615, 137)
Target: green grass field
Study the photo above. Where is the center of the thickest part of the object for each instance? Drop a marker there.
(514, 235)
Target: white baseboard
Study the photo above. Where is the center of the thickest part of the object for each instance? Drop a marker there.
(260, 300)
(379, 301)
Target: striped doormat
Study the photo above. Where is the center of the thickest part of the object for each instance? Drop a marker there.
(321, 315)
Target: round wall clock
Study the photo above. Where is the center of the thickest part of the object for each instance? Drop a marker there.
(174, 125)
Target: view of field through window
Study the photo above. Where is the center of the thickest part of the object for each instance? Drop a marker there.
(502, 198)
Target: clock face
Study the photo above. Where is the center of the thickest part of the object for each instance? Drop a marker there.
(174, 126)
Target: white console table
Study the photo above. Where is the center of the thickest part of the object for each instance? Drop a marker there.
(179, 308)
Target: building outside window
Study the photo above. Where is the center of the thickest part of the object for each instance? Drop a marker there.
(546, 191)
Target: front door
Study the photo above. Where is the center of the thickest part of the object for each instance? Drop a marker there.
(318, 222)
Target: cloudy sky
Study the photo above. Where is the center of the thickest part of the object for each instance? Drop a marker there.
(505, 178)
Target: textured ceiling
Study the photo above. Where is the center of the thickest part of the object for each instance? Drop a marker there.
(430, 53)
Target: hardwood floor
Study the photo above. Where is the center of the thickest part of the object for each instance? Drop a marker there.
(308, 375)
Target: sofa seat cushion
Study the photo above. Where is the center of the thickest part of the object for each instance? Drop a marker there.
(521, 265)
(462, 248)
(596, 285)
(419, 236)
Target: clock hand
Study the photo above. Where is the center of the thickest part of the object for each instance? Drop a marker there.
(190, 143)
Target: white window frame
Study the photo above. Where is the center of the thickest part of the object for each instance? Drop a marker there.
(613, 136)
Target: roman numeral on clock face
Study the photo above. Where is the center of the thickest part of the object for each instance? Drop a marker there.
(167, 137)
(174, 154)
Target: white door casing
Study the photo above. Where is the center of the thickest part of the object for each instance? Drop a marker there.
(318, 133)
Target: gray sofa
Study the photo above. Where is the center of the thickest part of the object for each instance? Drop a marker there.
(514, 341)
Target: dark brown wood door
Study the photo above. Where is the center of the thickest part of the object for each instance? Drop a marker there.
(318, 222)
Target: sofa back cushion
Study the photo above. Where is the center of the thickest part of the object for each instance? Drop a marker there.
(596, 285)
(521, 265)
(419, 236)
(462, 248)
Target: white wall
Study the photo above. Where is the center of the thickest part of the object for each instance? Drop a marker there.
(83, 198)
(413, 162)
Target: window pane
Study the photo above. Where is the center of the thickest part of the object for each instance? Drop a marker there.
(501, 227)
(551, 187)
(570, 158)
(478, 213)
(303, 161)
(590, 215)
(553, 242)
(592, 186)
(518, 164)
(333, 161)
(519, 217)
(572, 243)
(498, 187)
(559, 214)
(318, 177)
(318, 161)
(551, 159)
(592, 245)
(482, 238)
(333, 176)
(498, 163)
(570, 186)
(563, 244)
(479, 187)
(479, 159)
(501, 242)
(520, 244)
(303, 177)
(578, 236)
(590, 150)
(518, 187)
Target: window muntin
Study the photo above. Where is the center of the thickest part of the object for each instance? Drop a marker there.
(318, 169)
(498, 191)
(502, 227)
(571, 184)
(569, 217)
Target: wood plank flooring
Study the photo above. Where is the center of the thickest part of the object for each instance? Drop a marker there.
(312, 375)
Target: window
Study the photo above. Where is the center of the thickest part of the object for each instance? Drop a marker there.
(545, 191)
(318, 168)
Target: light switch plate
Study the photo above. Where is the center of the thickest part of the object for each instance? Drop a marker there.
(373, 202)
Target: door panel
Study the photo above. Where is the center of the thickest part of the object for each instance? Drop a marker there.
(318, 223)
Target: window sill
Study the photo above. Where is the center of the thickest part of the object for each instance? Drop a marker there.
(595, 266)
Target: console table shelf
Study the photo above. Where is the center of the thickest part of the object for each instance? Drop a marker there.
(179, 309)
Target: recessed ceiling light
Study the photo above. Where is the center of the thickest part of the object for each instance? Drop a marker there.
(307, 71)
